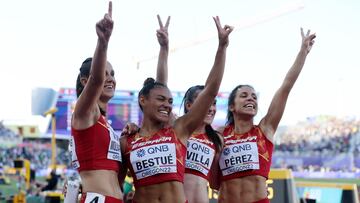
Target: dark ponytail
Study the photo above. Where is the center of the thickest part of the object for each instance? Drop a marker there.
(85, 72)
(214, 136)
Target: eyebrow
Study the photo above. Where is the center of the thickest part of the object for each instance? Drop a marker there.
(163, 97)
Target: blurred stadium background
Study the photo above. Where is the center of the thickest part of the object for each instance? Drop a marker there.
(315, 160)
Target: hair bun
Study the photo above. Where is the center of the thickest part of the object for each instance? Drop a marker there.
(149, 81)
(85, 63)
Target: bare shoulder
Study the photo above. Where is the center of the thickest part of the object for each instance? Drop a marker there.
(82, 121)
(180, 130)
(220, 130)
(267, 130)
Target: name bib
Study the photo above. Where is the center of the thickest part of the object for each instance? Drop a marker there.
(114, 152)
(199, 156)
(239, 157)
(74, 160)
(154, 159)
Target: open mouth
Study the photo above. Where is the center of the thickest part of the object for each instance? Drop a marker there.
(165, 113)
(109, 87)
(250, 106)
(211, 114)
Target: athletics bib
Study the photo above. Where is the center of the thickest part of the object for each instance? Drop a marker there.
(199, 156)
(239, 157)
(74, 160)
(114, 152)
(92, 197)
(154, 159)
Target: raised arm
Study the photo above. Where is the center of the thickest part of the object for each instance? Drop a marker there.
(163, 38)
(271, 120)
(124, 166)
(87, 102)
(190, 121)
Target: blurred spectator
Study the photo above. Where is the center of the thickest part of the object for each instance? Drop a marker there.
(52, 181)
(319, 136)
(323, 136)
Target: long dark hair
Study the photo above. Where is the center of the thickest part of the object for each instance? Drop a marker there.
(148, 85)
(189, 97)
(230, 115)
(85, 72)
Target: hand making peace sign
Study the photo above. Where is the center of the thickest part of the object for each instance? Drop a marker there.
(223, 32)
(162, 33)
(307, 40)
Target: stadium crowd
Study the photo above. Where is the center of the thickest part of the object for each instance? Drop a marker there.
(323, 135)
(37, 151)
(322, 144)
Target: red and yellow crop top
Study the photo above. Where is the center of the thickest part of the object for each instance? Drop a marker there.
(200, 155)
(155, 159)
(245, 154)
(95, 148)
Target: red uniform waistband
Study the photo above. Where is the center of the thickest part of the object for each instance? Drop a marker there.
(135, 202)
(108, 199)
(266, 200)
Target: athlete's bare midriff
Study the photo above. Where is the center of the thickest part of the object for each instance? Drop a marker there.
(104, 182)
(161, 193)
(243, 190)
(196, 189)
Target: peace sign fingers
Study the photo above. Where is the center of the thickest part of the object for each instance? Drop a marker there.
(223, 33)
(307, 40)
(162, 27)
(162, 33)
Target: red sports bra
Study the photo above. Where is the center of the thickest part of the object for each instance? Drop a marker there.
(95, 148)
(155, 159)
(245, 154)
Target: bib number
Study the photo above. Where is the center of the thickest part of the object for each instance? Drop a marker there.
(92, 197)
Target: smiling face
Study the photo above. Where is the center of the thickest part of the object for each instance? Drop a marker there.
(245, 102)
(209, 118)
(110, 83)
(158, 104)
